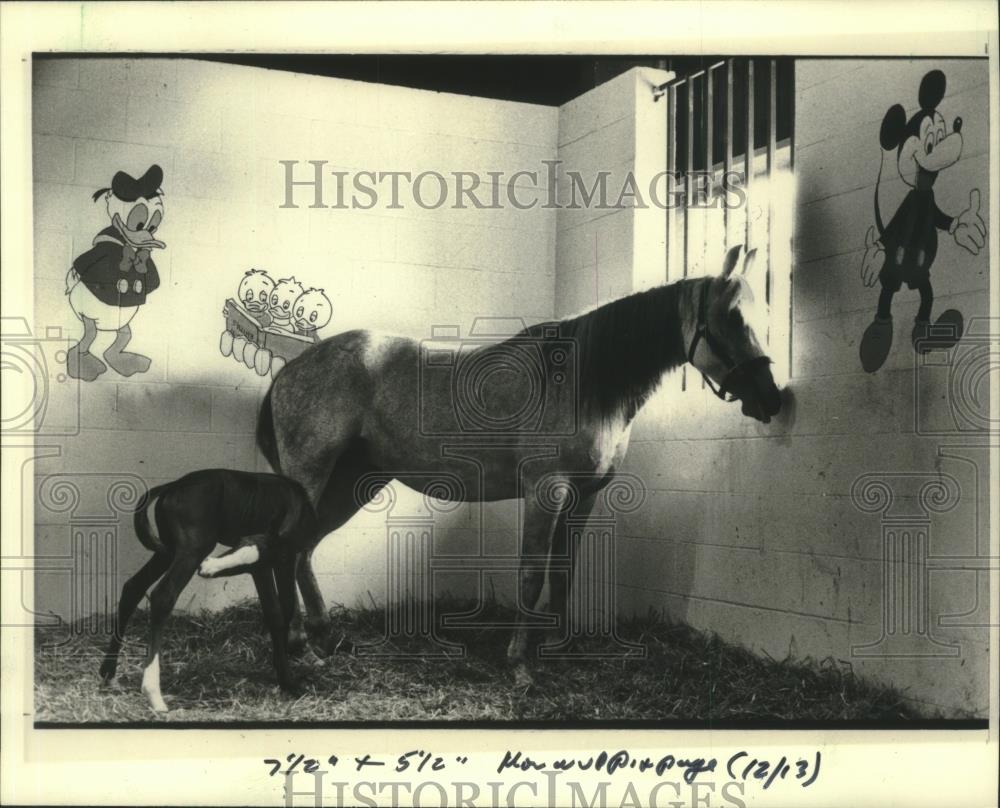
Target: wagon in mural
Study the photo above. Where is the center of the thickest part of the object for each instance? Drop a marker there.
(260, 347)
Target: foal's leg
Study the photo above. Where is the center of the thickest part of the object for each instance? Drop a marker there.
(244, 555)
(536, 537)
(161, 603)
(132, 592)
(264, 579)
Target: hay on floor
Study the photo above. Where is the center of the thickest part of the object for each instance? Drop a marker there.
(217, 667)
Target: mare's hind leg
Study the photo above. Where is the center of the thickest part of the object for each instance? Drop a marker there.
(132, 592)
(161, 604)
(536, 538)
(336, 501)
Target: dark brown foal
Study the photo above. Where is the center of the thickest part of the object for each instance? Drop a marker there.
(266, 520)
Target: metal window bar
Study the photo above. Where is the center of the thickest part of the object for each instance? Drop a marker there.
(691, 159)
(688, 167)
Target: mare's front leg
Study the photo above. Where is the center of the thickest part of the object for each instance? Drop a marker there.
(566, 549)
(536, 536)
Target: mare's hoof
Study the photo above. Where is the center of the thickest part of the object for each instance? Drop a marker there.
(311, 658)
(523, 677)
(292, 689)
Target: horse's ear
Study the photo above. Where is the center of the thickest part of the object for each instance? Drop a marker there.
(732, 257)
(748, 261)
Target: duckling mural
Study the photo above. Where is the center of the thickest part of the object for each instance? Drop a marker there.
(108, 284)
(271, 322)
(255, 294)
(312, 311)
(285, 293)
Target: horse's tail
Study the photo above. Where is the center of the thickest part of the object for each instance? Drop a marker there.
(149, 537)
(878, 213)
(265, 432)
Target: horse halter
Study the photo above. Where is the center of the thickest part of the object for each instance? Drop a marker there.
(736, 371)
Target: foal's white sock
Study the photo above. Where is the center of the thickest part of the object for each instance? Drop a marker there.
(151, 685)
(245, 556)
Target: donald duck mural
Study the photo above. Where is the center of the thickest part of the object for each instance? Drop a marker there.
(108, 284)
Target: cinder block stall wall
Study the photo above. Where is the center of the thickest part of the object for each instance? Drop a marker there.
(218, 131)
(750, 530)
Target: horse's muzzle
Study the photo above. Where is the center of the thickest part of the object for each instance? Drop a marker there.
(758, 394)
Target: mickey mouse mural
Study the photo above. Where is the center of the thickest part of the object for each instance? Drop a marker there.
(108, 283)
(903, 251)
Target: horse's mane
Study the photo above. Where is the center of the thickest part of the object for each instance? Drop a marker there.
(624, 347)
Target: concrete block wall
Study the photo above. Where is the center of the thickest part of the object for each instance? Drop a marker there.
(602, 251)
(218, 131)
(750, 530)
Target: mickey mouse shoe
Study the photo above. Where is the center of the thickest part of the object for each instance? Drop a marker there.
(944, 334)
(875, 344)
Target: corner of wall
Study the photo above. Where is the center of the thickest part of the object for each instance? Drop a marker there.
(613, 242)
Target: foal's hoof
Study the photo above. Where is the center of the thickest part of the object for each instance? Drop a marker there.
(208, 568)
(108, 669)
(297, 643)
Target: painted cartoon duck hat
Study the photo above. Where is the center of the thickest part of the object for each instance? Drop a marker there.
(128, 189)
